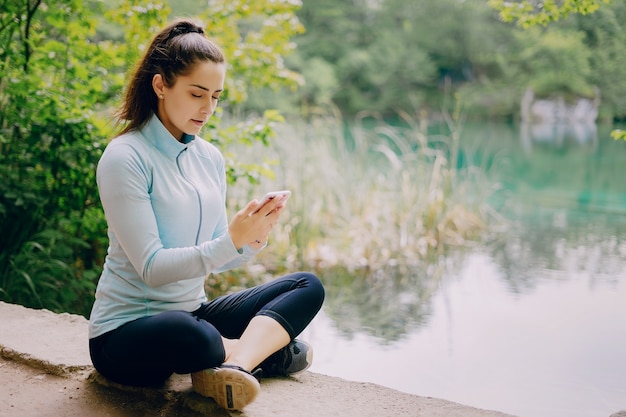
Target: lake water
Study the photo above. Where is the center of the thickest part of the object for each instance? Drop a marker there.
(532, 324)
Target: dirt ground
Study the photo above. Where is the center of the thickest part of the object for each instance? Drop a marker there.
(45, 371)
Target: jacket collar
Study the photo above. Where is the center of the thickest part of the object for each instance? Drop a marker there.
(155, 133)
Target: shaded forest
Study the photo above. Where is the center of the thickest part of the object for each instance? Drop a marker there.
(433, 55)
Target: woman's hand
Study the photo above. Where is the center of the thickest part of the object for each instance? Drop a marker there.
(252, 224)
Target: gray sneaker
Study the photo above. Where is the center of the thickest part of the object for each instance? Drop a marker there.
(296, 357)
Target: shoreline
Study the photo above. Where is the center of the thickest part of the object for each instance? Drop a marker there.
(45, 370)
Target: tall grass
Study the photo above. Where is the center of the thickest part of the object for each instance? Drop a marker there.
(369, 197)
(375, 211)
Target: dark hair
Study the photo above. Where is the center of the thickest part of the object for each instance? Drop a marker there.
(172, 53)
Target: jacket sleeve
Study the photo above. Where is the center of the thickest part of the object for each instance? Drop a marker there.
(247, 252)
(124, 180)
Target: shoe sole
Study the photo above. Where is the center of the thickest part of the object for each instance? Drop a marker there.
(230, 388)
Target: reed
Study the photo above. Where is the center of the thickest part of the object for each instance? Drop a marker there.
(367, 197)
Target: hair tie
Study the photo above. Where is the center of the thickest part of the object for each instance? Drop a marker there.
(181, 30)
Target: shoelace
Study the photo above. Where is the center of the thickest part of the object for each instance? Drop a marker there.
(256, 373)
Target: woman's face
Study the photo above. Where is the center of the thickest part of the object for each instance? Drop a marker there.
(187, 105)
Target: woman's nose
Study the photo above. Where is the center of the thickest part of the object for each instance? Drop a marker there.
(208, 107)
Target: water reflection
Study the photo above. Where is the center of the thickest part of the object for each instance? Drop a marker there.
(386, 304)
(539, 336)
(531, 324)
(558, 134)
(556, 242)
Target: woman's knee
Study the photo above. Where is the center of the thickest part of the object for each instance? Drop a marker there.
(315, 288)
(205, 341)
(197, 339)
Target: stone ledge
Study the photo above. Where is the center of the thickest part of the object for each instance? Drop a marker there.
(49, 372)
(56, 343)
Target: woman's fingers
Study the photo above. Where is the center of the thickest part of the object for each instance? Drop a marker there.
(271, 206)
(254, 223)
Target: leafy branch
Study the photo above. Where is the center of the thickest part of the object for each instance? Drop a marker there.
(527, 13)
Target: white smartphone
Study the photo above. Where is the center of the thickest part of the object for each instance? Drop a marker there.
(271, 195)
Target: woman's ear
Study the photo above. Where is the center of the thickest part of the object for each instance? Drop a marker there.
(158, 86)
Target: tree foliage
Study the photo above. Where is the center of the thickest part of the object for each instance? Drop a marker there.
(49, 91)
(605, 35)
(527, 13)
(432, 55)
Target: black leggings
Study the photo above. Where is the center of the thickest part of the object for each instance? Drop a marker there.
(149, 350)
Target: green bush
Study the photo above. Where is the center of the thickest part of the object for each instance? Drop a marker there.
(49, 150)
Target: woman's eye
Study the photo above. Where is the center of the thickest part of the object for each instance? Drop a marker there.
(196, 95)
(216, 98)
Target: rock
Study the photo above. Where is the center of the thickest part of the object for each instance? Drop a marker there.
(49, 373)
(557, 110)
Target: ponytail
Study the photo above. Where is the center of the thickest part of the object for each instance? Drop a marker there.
(173, 52)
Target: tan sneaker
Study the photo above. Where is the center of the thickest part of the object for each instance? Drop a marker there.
(230, 386)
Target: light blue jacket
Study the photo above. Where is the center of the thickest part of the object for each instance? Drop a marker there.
(165, 205)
